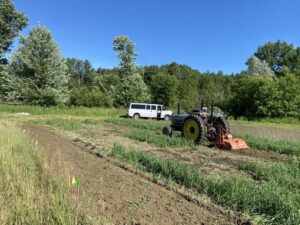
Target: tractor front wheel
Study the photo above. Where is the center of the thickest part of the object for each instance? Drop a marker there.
(193, 128)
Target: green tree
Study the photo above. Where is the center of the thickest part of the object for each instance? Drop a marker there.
(90, 97)
(132, 86)
(261, 96)
(187, 88)
(81, 72)
(289, 94)
(108, 82)
(127, 55)
(278, 55)
(11, 22)
(163, 89)
(257, 67)
(131, 89)
(149, 72)
(38, 73)
(254, 96)
(216, 87)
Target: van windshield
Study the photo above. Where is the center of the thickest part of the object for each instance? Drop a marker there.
(164, 108)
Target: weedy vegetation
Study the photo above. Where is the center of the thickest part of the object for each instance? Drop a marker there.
(285, 175)
(150, 131)
(158, 138)
(28, 194)
(279, 146)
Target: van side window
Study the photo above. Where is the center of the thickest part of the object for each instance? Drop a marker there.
(135, 106)
(153, 107)
(148, 107)
(158, 108)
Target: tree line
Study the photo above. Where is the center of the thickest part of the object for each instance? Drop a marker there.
(38, 74)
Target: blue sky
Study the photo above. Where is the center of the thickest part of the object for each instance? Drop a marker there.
(206, 35)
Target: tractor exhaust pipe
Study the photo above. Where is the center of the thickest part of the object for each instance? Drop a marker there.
(212, 112)
(202, 105)
(178, 108)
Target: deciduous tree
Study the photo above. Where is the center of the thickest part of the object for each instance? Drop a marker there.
(132, 87)
(127, 55)
(257, 67)
(38, 73)
(278, 54)
(11, 22)
(163, 88)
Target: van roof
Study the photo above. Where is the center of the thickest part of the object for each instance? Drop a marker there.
(144, 103)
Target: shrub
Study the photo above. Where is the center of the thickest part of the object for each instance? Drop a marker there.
(90, 97)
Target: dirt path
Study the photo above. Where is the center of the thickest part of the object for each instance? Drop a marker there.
(121, 197)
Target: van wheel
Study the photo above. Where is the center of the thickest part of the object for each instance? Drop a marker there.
(136, 116)
(167, 117)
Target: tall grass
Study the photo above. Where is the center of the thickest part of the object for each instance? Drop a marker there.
(283, 174)
(28, 195)
(63, 110)
(158, 138)
(266, 199)
(279, 146)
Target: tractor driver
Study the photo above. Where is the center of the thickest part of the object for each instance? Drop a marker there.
(204, 111)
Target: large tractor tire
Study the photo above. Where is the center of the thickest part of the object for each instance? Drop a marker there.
(219, 121)
(193, 128)
(214, 128)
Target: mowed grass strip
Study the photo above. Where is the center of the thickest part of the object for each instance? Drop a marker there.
(154, 125)
(63, 110)
(279, 146)
(158, 138)
(266, 200)
(261, 121)
(28, 194)
(65, 124)
(150, 131)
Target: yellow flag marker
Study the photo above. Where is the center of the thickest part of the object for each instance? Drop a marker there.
(75, 181)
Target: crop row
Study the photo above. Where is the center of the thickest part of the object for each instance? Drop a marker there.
(268, 200)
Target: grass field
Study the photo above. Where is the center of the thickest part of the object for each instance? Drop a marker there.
(28, 194)
(263, 186)
(63, 110)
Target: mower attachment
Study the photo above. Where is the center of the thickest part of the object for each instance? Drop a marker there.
(225, 141)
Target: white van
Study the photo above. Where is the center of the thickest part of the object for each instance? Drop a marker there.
(145, 110)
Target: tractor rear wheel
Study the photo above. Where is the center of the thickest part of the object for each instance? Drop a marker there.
(193, 128)
(221, 121)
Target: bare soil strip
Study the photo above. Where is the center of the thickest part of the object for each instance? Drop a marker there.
(120, 196)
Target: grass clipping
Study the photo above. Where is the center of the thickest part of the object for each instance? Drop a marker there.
(27, 194)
